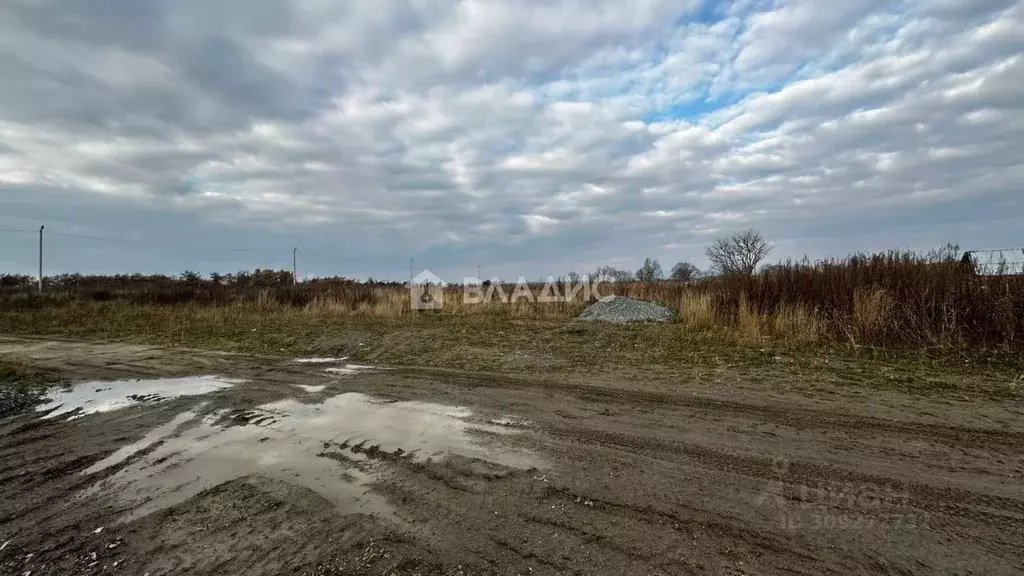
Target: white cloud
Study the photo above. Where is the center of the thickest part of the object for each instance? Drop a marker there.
(485, 130)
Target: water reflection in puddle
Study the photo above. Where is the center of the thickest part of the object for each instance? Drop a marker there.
(334, 448)
(320, 360)
(350, 369)
(155, 435)
(93, 397)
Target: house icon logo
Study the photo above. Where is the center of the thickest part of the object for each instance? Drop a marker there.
(426, 291)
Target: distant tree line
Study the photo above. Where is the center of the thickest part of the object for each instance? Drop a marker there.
(737, 255)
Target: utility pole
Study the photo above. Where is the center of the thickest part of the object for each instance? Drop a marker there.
(478, 273)
(295, 267)
(412, 261)
(41, 260)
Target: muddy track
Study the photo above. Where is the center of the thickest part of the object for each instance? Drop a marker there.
(582, 475)
(794, 417)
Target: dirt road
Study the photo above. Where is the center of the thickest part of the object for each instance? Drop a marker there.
(272, 466)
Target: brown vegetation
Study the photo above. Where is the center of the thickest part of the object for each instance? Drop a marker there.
(884, 300)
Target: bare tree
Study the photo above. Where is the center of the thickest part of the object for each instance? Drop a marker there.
(613, 274)
(738, 254)
(191, 277)
(649, 272)
(684, 272)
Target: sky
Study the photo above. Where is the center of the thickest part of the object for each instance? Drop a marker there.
(526, 137)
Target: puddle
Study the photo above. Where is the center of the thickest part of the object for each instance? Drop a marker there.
(336, 448)
(312, 389)
(510, 421)
(93, 397)
(320, 360)
(155, 435)
(349, 369)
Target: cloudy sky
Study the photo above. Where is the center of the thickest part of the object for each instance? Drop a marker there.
(533, 136)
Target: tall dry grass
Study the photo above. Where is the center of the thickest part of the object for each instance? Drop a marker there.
(888, 299)
(697, 311)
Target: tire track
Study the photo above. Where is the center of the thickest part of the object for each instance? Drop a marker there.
(945, 500)
(793, 417)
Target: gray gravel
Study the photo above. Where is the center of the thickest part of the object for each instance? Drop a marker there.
(625, 310)
(16, 399)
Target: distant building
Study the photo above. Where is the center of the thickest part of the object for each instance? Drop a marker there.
(996, 262)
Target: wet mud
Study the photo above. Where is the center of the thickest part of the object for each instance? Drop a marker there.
(169, 462)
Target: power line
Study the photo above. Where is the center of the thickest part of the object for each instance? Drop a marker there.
(259, 251)
(316, 253)
(145, 243)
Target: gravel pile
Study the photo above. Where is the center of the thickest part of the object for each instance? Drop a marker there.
(624, 310)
